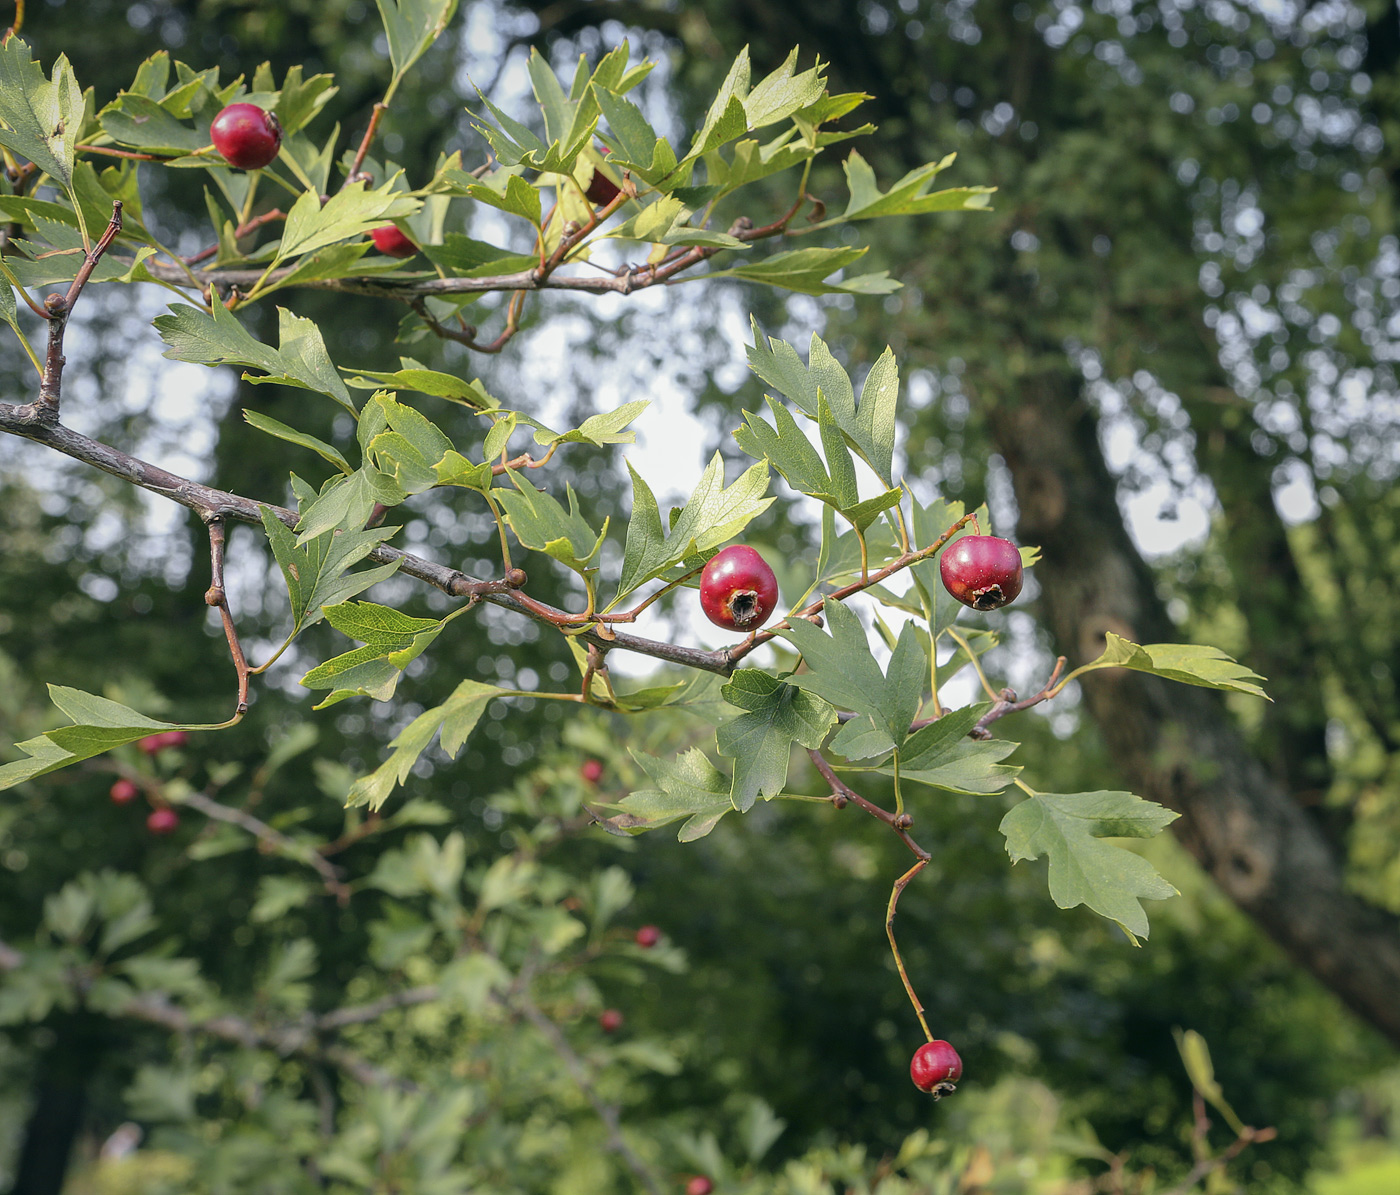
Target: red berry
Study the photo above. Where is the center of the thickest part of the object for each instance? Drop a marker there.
(152, 744)
(246, 135)
(175, 738)
(601, 190)
(610, 1020)
(737, 589)
(935, 1068)
(591, 770)
(162, 820)
(390, 240)
(124, 792)
(699, 1185)
(982, 571)
(648, 936)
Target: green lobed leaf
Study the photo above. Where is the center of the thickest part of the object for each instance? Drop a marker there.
(664, 222)
(909, 196)
(689, 787)
(220, 339)
(99, 724)
(942, 756)
(869, 429)
(845, 673)
(274, 427)
(392, 641)
(513, 194)
(760, 740)
(350, 212)
(712, 516)
(413, 376)
(411, 27)
(542, 524)
(1189, 663)
(1069, 830)
(40, 119)
(455, 718)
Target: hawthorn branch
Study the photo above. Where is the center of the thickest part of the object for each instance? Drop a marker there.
(579, 1069)
(214, 505)
(1007, 704)
(57, 309)
(210, 503)
(273, 839)
(217, 597)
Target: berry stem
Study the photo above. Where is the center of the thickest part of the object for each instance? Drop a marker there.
(976, 664)
(899, 886)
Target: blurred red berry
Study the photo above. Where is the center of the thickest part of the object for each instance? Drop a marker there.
(591, 771)
(124, 792)
(610, 1019)
(390, 240)
(648, 936)
(162, 820)
(699, 1185)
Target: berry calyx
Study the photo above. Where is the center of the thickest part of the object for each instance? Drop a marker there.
(648, 936)
(591, 770)
(390, 240)
(737, 589)
(935, 1068)
(610, 1020)
(162, 820)
(982, 571)
(247, 136)
(123, 792)
(699, 1185)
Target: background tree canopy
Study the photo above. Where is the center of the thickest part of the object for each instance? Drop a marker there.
(1164, 356)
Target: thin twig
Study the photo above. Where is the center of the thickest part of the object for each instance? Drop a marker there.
(217, 596)
(579, 1069)
(899, 886)
(1007, 703)
(275, 839)
(58, 308)
(375, 117)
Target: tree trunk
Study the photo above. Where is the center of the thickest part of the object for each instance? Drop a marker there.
(1177, 744)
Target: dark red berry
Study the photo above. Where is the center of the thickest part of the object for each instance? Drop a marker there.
(124, 792)
(982, 571)
(935, 1068)
(737, 589)
(591, 770)
(699, 1185)
(648, 936)
(601, 190)
(162, 820)
(610, 1020)
(246, 136)
(390, 240)
(175, 738)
